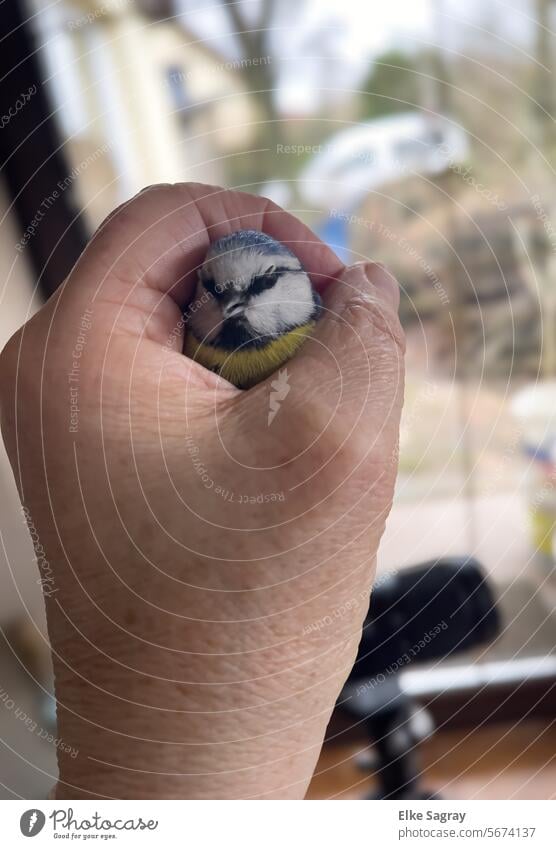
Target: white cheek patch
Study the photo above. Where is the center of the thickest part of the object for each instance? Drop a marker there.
(286, 305)
(242, 265)
(271, 312)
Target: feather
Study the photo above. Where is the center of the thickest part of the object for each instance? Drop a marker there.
(254, 307)
(247, 366)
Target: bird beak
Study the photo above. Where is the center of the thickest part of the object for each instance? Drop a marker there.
(232, 310)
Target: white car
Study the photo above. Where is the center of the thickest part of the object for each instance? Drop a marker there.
(366, 156)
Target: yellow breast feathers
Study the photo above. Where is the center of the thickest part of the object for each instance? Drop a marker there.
(248, 365)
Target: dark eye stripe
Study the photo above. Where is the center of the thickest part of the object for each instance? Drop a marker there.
(210, 286)
(262, 282)
(265, 281)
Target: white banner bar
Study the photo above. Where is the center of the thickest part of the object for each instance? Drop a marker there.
(280, 825)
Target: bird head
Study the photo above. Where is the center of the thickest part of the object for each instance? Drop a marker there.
(251, 289)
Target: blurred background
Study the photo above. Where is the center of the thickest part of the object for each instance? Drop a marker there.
(418, 133)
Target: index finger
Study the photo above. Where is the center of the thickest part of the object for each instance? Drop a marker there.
(161, 236)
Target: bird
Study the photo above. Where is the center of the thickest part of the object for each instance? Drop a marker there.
(254, 306)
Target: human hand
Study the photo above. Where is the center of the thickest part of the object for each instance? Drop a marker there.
(208, 571)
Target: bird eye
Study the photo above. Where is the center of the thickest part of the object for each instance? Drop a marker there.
(211, 286)
(263, 281)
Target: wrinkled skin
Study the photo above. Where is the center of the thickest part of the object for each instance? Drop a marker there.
(200, 638)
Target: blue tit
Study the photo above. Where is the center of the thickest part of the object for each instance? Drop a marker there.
(253, 308)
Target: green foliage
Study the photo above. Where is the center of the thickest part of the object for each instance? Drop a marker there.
(391, 86)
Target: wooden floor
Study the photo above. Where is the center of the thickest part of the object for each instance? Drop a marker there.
(497, 762)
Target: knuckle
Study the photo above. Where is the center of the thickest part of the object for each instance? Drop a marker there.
(154, 187)
(364, 311)
(9, 357)
(9, 372)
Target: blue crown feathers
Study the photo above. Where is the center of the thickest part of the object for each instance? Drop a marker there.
(248, 239)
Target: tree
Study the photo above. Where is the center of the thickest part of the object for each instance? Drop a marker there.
(391, 86)
(265, 38)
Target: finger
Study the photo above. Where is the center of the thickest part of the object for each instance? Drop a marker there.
(225, 211)
(160, 238)
(346, 382)
(144, 258)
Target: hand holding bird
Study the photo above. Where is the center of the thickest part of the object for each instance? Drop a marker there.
(185, 663)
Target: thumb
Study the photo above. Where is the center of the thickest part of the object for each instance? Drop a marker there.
(346, 383)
